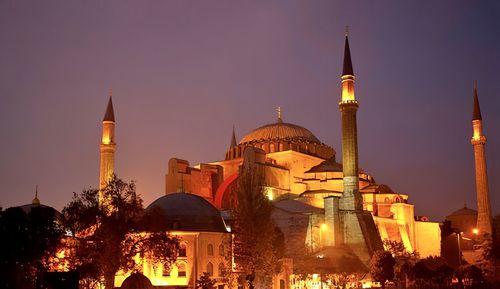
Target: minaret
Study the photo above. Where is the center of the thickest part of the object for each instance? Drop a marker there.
(356, 228)
(108, 146)
(351, 199)
(478, 141)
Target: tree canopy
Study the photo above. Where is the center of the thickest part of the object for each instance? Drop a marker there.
(108, 235)
(27, 243)
(258, 242)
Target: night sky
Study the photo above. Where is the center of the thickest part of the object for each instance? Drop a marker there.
(184, 72)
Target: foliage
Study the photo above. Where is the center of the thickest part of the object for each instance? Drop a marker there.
(258, 242)
(27, 243)
(382, 266)
(432, 270)
(108, 235)
(404, 260)
(205, 282)
(486, 258)
(469, 274)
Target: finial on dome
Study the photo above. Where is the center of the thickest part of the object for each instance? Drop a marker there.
(278, 110)
(36, 201)
(346, 30)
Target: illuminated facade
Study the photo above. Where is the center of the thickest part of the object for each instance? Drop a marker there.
(204, 239)
(319, 202)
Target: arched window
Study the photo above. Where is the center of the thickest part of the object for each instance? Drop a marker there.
(166, 270)
(210, 250)
(386, 200)
(221, 250)
(182, 250)
(181, 270)
(220, 270)
(210, 269)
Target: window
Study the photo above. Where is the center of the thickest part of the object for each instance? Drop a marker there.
(282, 284)
(221, 250)
(220, 286)
(220, 270)
(210, 269)
(181, 270)
(166, 271)
(182, 251)
(210, 250)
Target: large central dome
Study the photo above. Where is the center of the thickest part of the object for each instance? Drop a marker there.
(280, 137)
(280, 132)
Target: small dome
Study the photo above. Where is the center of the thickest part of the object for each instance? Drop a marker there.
(137, 281)
(280, 131)
(188, 212)
(329, 165)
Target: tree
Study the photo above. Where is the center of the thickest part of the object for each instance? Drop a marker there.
(382, 266)
(404, 260)
(205, 282)
(432, 271)
(27, 243)
(108, 235)
(258, 242)
(486, 258)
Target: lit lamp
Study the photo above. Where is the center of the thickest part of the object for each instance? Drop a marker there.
(475, 231)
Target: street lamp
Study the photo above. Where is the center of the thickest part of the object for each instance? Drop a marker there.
(459, 249)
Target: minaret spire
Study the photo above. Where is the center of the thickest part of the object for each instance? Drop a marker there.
(107, 147)
(233, 139)
(476, 113)
(484, 222)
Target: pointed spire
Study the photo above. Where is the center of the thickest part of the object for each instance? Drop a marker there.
(110, 114)
(476, 114)
(36, 201)
(233, 139)
(347, 69)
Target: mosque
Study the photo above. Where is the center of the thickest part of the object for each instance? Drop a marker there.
(331, 214)
(326, 210)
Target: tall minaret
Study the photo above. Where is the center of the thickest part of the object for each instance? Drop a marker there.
(351, 199)
(108, 146)
(478, 141)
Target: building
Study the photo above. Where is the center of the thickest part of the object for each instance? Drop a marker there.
(320, 203)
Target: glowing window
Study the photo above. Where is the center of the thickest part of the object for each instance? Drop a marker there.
(210, 269)
(221, 250)
(210, 250)
(181, 270)
(182, 251)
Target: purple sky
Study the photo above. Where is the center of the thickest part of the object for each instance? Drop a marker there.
(183, 72)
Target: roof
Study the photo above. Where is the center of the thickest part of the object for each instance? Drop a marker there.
(137, 281)
(294, 206)
(280, 131)
(476, 113)
(347, 68)
(110, 114)
(329, 165)
(464, 212)
(187, 212)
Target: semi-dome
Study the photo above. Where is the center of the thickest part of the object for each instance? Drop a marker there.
(187, 212)
(280, 131)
